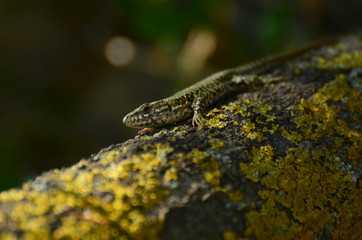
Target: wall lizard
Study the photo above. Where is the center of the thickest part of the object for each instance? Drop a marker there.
(193, 101)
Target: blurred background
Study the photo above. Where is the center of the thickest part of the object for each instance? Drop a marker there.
(70, 70)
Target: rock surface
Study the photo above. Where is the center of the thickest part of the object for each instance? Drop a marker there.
(280, 163)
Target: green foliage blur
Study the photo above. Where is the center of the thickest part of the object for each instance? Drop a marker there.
(61, 97)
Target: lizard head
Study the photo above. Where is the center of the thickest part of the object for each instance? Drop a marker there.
(152, 115)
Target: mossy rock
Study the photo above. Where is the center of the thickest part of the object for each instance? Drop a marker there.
(280, 163)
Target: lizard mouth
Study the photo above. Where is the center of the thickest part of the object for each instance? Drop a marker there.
(135, 121)
(129, 121)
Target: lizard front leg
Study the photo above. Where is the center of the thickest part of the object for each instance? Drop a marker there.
(198, 107)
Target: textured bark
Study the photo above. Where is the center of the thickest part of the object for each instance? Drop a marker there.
(280, 163)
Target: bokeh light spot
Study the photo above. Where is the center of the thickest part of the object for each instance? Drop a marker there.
(120, 51)
(198, 47)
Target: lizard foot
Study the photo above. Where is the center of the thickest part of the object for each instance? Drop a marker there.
(198, 120)
(145, 130)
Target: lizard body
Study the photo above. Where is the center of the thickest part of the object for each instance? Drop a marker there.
(193, 101)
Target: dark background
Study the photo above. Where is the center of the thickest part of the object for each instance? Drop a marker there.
(62, 99)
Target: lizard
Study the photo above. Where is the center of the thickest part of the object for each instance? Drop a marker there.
(194, 100)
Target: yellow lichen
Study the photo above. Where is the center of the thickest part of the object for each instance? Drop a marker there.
(216, 144)
(248, 127)
(345, 60)
(270, 223)
(217, 120)
(211, 172)
(291, 136)
(8, 236)
(262, 162)
(85, 216)
(310, 182)
(235, 195)
(228, 235)
(171, 174)
(208, 164)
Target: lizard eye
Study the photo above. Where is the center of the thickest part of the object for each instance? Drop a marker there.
(146, 108)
